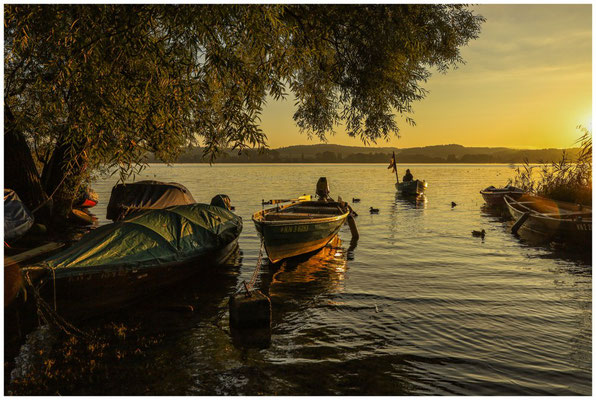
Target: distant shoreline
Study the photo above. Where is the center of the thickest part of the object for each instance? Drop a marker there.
(336, 163)
(337, 154)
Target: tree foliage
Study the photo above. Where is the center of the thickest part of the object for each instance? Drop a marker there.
(108, 83)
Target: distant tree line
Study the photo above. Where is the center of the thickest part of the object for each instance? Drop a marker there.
(278, 156)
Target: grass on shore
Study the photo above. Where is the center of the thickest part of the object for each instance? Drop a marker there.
(564, 180)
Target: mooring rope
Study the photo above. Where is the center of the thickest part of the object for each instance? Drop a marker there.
(249, 285)
(49, 316)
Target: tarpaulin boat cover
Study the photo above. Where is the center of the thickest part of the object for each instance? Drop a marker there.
(17, 218)
(150, 238)
(127, 198)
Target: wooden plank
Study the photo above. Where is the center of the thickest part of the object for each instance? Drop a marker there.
(568, 214)
(301, 215)
(519, 222)
(29, 254)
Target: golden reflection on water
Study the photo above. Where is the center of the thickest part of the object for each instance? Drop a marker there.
(323, 271)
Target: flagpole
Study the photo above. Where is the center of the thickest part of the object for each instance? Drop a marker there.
(395, 167)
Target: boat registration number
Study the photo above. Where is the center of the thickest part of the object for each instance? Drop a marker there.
(294, 228)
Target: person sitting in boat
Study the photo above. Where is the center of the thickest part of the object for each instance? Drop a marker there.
(408, 177)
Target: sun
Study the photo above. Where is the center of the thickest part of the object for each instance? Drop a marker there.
(586, 120)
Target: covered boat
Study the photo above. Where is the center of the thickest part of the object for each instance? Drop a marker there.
(130, 258)
(411, 188)
(17, 217)
(562, 220)
(127, 198)
(300, 227)
(494, 197)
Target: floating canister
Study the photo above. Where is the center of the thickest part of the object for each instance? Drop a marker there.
(250, 309)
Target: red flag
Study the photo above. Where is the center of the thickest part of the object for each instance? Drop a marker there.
(392, 164)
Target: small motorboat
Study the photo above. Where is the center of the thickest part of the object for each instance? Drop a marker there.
(17, 217)
(562, 220)
(127, 198)
(407, 188)
(411, 188)
(494, 196)
(129, 259)
(88, 199)
(302, 226)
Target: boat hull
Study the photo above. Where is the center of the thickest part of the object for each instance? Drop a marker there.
(100, 290)
(496, 198)
(552, 218)
(290, 240)
(299, 228)
(411, 188)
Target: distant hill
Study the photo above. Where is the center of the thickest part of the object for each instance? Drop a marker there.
(334, 153)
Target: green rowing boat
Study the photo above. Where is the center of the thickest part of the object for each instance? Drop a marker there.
(301, 227)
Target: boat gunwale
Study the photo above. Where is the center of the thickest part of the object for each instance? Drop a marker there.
(522, 208)
(215, 255)
(259, 217)
(504, 192)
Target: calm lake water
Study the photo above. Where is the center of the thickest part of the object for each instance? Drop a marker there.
(418, 307)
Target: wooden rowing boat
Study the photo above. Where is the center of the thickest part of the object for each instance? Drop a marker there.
(494, 197)
(411, 188)
(299, 227)
(566, 221)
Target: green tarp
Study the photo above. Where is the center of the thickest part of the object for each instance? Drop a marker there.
(151, 238)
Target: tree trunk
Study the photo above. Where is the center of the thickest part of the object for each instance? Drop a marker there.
(20, 172)
(63, 175)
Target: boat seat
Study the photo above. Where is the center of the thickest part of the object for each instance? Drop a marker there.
(316, 209)
(278, 215)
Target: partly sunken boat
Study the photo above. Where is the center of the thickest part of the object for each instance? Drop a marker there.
(129, 259)
(562, 220)
(494, 197)
(127, 198)
(302, 226)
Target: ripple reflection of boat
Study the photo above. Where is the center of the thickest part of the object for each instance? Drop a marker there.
(494, 213)
(322, 272)
(411, 201)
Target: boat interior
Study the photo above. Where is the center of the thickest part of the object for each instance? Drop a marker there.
(304, 210)
(551, 208)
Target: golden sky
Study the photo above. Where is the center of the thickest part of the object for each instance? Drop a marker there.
(527, 83)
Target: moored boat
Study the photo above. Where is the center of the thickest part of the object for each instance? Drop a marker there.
(300, 227)
(120, 262)
(494, 197)
(128, 198)
(562, 220)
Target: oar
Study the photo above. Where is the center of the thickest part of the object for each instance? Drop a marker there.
(276, 201)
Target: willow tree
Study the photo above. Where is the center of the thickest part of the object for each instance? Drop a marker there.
(100, 86)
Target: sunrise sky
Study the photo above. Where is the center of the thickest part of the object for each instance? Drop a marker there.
(527, 83)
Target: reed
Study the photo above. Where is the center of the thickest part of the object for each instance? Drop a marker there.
(566, 179)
